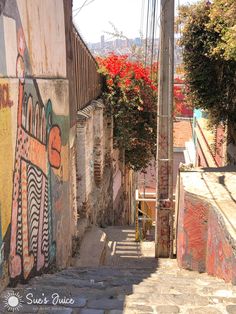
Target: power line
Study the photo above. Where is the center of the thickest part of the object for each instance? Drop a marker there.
(79, 9)
(83, 5)
(153, 34)
(152, 20)
(146, 40)
(142, 16)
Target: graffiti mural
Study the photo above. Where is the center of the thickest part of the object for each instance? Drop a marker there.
(220, 260)
(204, 242)
(38, 145)
(34, 132)
(192, 230)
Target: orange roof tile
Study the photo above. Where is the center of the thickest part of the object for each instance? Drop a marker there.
(182, 132)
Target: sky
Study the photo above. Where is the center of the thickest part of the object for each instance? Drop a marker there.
(93, 19)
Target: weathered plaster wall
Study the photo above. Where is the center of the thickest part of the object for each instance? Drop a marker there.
(94, 165)
(104, 192)
(206, 237)
(44, 30)
(34, 139)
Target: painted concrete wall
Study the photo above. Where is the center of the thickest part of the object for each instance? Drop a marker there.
(206, 235)
(34, 134)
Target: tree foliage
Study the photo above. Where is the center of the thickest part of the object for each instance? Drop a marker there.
(210, 70)
(223, 20)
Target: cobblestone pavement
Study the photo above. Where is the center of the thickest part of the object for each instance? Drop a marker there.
(132, 281)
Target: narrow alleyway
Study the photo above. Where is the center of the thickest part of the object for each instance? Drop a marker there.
(131, 281)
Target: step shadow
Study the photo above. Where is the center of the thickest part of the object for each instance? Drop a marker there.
(86, 290)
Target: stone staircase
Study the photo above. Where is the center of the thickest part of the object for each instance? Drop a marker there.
(130, 281)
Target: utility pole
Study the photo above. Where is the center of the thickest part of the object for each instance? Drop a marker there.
(164, 157)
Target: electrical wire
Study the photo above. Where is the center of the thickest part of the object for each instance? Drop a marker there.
(83, 5)
(153, 36)
(146, 39)
(152, 20)
(142, 16)
(150, 31)
(79, 9)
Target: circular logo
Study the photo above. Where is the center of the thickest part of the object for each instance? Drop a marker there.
(13, 301)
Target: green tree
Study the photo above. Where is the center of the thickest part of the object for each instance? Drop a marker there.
(223, 20)
(210, 75)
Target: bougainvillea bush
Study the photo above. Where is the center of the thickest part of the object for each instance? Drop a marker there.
(130, 94)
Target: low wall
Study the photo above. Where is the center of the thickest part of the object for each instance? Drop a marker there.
(206, 210)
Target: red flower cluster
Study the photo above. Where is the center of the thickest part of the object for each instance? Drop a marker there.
(181, 108)
(178, 94)
(137, 83)
(128, 73)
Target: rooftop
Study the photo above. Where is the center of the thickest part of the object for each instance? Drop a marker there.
(182, 132)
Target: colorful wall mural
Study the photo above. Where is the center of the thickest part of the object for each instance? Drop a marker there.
(205, 231)
(192, 230)
(221, 259)
(34, 132)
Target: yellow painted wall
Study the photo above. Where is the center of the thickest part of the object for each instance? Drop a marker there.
(6, 164)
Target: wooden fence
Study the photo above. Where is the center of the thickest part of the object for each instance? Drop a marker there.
(87, 82)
